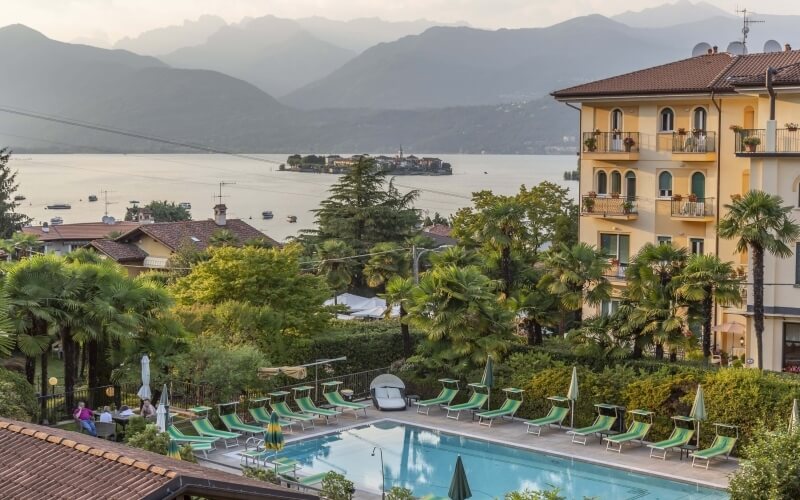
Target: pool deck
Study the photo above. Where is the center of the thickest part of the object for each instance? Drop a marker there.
(552, 441)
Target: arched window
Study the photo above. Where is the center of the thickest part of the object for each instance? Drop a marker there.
(616, 120)
(616, 182)
(665, 184)
(699, 119)
(602, 183)
(699, 185)
(630, 185)
(667, 122)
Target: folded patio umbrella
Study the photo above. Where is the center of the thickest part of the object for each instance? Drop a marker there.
(699, 410)
(572, 395)
(794, 420)
(144, 390)
(174, 450)
(162, 412)
(459, 486)
(488, 379)
(273, 440)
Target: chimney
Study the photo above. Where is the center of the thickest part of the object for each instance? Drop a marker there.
(710, 51)
(45, 227)
(787, 48)
(715, 49)
(219, 214)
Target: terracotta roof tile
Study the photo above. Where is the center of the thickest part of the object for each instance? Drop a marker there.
(120, 252)
(86, 231)
(197, 233)
(706, 73)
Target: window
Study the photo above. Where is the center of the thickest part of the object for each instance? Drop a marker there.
(616, 119)
(630, 185)
(791, 347)
(667, 122)
(616, 246)
(665, 184)
(664, 240)
(696, 245)
(602, 183)
(616, 182)
(608, 307)
(699, 185)
(699, 119)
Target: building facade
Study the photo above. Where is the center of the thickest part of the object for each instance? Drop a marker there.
(664, 149)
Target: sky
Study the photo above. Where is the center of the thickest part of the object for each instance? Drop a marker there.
(109, 20)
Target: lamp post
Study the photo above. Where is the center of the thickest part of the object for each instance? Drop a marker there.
(416, 253)
(53, 383)
(383, 473)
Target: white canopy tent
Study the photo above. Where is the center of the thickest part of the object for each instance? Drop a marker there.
(362, 307)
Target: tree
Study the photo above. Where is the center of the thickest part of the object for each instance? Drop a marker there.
(387, 260)
(21, 245)
(758, 221)
(537, 309)
(223, 237)
(11, 221)
(335, 264)
(162, 211)
(771, 470)
(399, 291)
(705, 279)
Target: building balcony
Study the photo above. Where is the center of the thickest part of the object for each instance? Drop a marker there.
(694, 146)
(692, 209)
(609, 207)
(615, 146)
(753, 142)
(616, 272)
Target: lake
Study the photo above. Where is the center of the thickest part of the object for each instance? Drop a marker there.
(259, 186)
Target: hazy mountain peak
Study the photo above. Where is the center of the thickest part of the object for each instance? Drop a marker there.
(170, 38)
(20, 32)
(670, 14)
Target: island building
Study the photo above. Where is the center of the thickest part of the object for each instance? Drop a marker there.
(664, 149)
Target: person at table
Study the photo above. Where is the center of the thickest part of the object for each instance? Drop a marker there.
(105, 415)
(148, 410)
(125, 411)
(84, 415)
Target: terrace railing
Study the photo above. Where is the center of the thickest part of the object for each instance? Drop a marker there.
(608, 205)
(745, 136)
(787, 140)
(59, 406)
(617, 270)
(611, 142)
(693, 207)
(694, 142)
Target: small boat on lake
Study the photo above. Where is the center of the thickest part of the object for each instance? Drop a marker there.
(185, 205)
(59, 206)
(19, 197)
(267, 214)
(134, 202)
(56, 221)
(292, 219)
(92, 197)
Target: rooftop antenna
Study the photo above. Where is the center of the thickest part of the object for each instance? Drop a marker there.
(220, 196)
(105, 201)
(746, 22)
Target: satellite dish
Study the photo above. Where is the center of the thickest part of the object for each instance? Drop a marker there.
(772, 46)
(701, 49)
(107, 219)
(737, 48)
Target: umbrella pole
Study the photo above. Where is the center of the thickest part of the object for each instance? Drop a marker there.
(572, 413)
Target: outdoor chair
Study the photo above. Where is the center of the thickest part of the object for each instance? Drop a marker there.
(602, 423)
(106, 430)
(555, 416)
(680, 437)
(507, 410)
(307, 406)
(234, 424)
(336, 400)
(204, 427)
(445, 397)
(475, 403)
(721, 447)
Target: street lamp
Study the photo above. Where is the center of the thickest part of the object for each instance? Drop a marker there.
(53, 383)
(416, 253)
(383, 474)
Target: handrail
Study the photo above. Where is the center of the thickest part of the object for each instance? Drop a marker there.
(611, 142)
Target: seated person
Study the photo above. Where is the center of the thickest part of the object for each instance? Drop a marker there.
(148, 410)
(84, 415)
(105, 416)
(125, 411)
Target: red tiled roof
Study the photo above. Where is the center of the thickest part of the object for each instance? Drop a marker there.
(85, 231)
(713, 72)
(120, 252)
(440, 234)
(787, 75)
(197, 233)
(44, 462)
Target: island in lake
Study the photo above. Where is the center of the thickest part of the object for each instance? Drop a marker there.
(393, 165)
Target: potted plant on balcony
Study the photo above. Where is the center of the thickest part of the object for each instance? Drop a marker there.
(792, 127)
(736, 128)
(693, 198)
(677, 197)
(591, 144)
(628, 142)
(588, 204)
(596, 131)
(627, 207)
(681, 131)
(615, 195)
(592, 194)
(751, 142)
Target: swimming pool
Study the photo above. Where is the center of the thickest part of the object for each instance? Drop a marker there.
(422, 460)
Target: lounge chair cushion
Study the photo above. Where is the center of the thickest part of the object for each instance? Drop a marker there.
(722, 445)
(556, 415)
(601, 423)
(679, 437)
(637, 430)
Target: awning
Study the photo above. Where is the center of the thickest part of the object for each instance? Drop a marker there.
(730, 327)
(296, 372)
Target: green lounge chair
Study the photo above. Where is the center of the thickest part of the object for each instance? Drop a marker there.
(335, 399)
(555, 416)
(475, 403)
(204, 428)
(602, 423)
(179, 437)
(202, 447)
(680, 437)
(283, 411)
(261, 416)
(508, 408)
(637, 430)
(722, 446)
(304, 482)
(446, 396)
(235, 424)
(307, 405)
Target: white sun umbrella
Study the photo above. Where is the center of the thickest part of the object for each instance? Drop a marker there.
(572, 395)
(699, 410)
(144, 390)
(162, 412)
(794, 420)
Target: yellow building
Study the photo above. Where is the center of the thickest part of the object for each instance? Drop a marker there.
(661, 155)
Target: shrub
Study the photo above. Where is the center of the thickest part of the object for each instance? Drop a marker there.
(664, 394)
(135, 426)
(771, 471)
(150, 439)
(398, 493)
(266, 475)
(550, 494)
(17, 397)
(337, 487)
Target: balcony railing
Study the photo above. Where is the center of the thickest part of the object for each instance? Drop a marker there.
(750, 140)
(611, 142)
(694, 142)
(693, 207)
(787, 141)
(617, 270)
(608, 205)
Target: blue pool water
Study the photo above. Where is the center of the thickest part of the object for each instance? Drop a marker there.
(423, 461)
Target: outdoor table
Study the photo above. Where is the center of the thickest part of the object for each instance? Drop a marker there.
(687, 449)
(199, 410)
(607, 434)
(117, 419)
(410, 398)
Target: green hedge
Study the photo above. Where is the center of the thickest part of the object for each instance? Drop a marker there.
(17, 397)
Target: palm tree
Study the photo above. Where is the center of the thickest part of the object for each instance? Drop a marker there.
(538, 309)
(388, 260)
(335, 264)
(758, 221)
(458, 256)
(20, 245)
(399, 292)
(223, 238)
(502, 227)
(576, 275)
(705, 279)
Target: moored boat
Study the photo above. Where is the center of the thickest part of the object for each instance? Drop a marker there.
(92, 197)
(267, 214)
(56, 221)
(185, 205)
(59, 206)
(292, 218)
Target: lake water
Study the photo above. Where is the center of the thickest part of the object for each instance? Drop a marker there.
(259, 186)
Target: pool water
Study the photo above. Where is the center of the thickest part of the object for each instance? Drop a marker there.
(423, 461)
